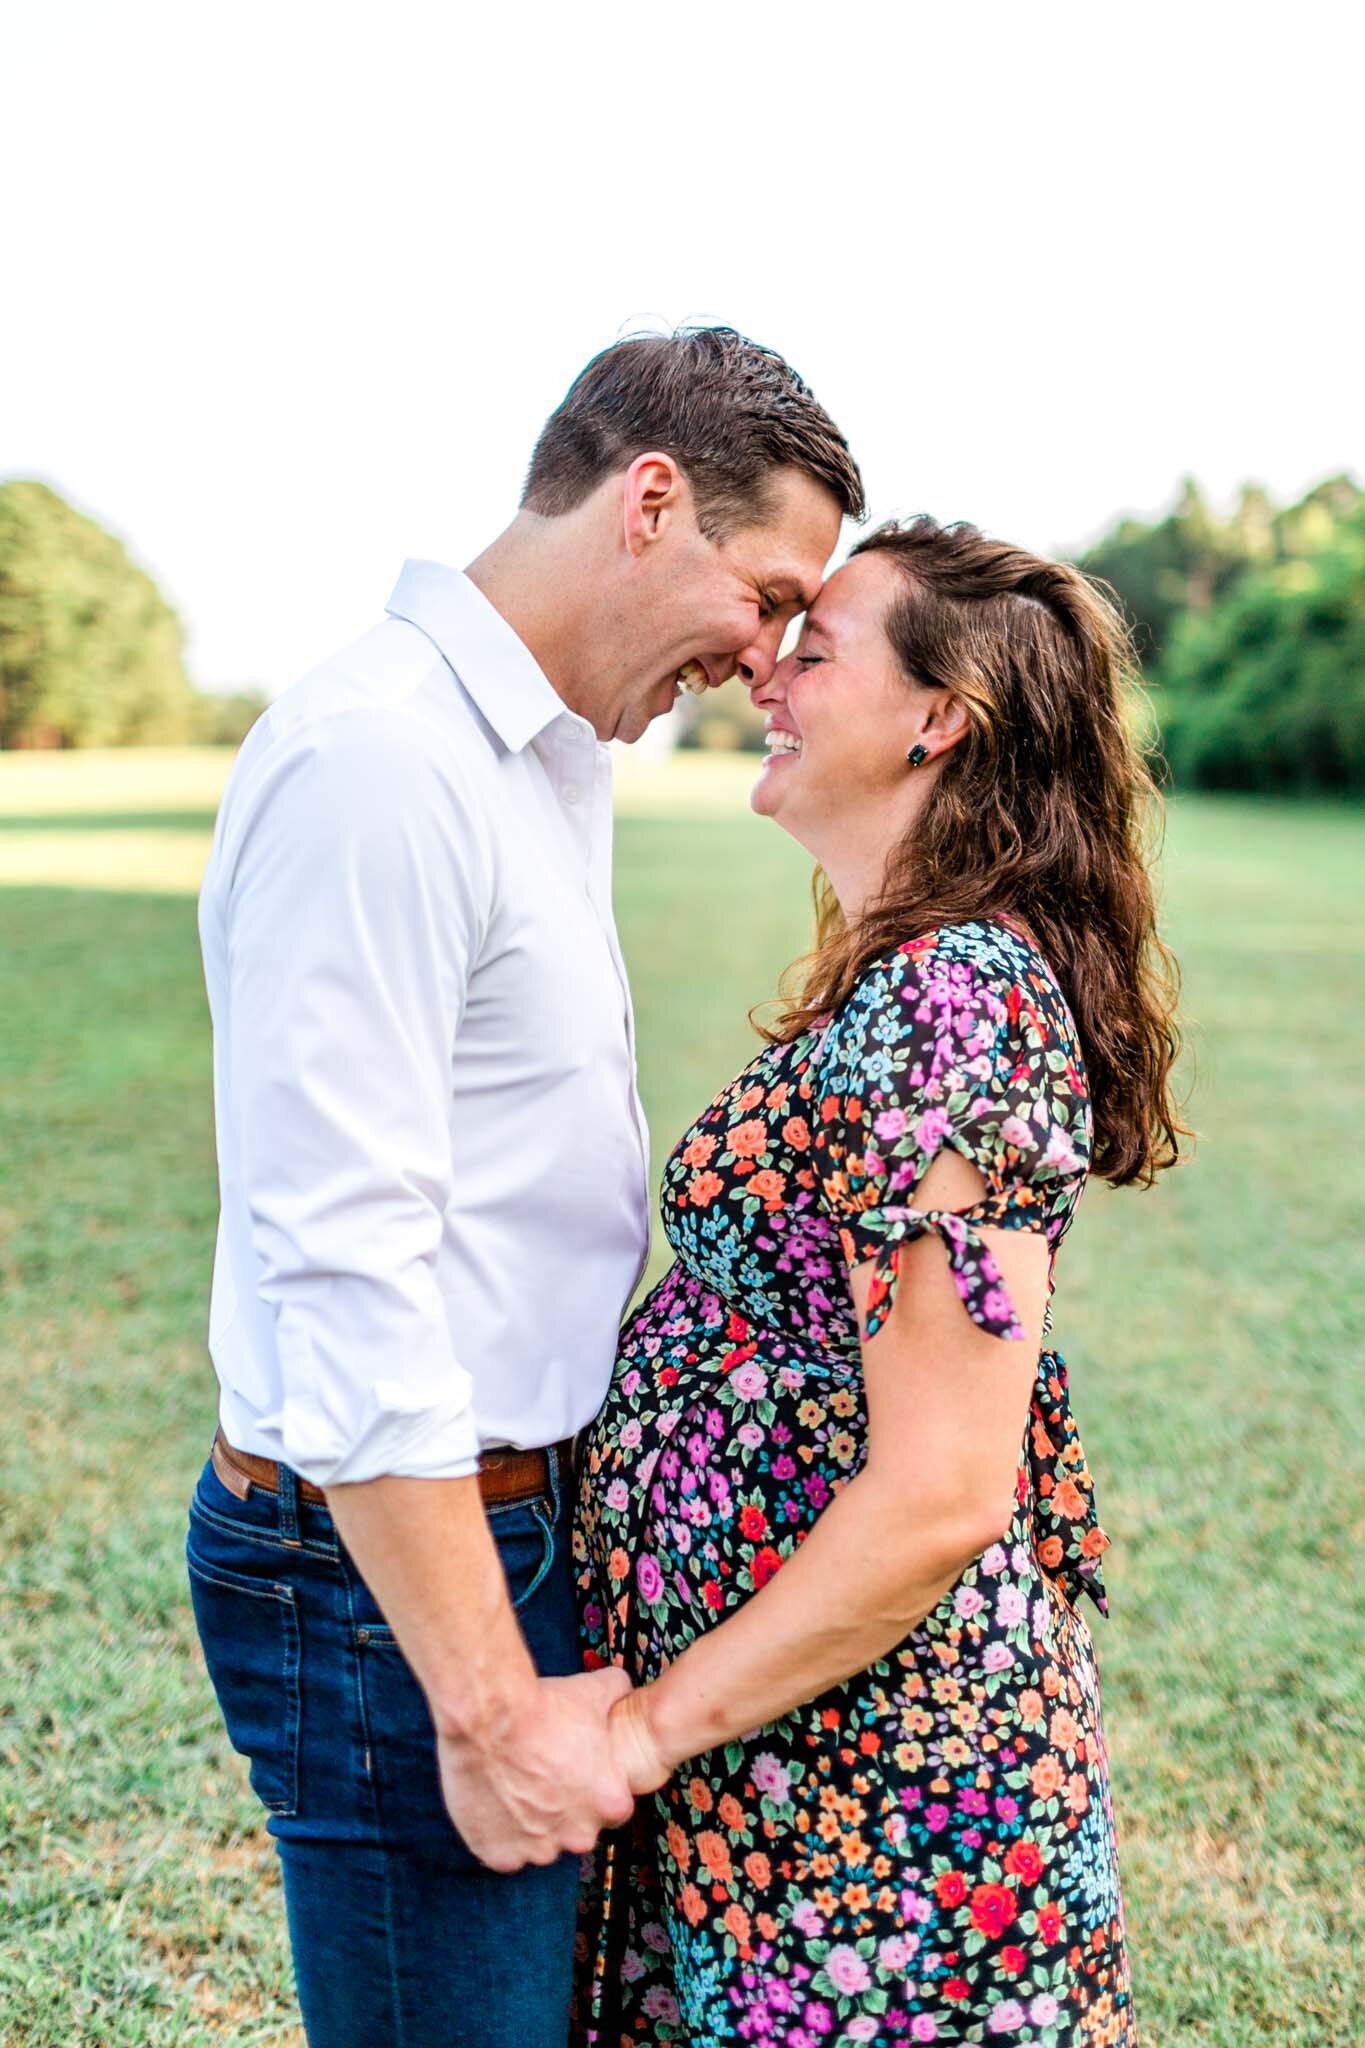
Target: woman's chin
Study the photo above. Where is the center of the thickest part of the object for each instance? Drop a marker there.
(765, 796)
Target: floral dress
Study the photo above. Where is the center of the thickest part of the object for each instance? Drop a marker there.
(926, 1851)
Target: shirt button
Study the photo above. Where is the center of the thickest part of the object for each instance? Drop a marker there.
(572, 793)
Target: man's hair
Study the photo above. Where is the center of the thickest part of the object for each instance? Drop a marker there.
(729, 411)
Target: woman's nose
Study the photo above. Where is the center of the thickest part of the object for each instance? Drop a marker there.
(771, 690)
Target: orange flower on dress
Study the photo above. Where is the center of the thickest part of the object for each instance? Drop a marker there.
(746, 1141)
(699, 1796)
(693, 1905)
(796, 1131)
(1047, 1776)
(731, 1812)
(1070, 1500)
(737, 1922)
(769, 1187)
(758, 1870)
(703, 1189)
(699, 1152)
(714, 1852)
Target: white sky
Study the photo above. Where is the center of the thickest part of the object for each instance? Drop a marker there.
(290, 287)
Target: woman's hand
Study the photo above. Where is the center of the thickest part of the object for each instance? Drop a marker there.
(635, 1743)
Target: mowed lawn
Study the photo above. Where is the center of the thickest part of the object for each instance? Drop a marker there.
(1214, 1327)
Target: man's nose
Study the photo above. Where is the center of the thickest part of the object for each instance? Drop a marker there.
(755, 665)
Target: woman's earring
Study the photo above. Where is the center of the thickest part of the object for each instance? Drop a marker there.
(917, 754)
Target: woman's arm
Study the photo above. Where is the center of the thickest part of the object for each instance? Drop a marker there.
(947, 1407)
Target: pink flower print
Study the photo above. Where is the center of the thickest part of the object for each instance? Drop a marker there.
(896, 1951)
(649, 1579)
(805, 1918)
(1061, 1152)
(661, 2005)
(1016, 1132)
(1043, 2009)
(864, 2029)
(847, 1970)
(618, 1495)
(1010, 1606)
(932, 1129)
(750, 1382)
(889, 1125)
(968, 1600)
(750, 1435)
(923, 2028)
(993, 1560)
(771, 1778)
(996, 1306)
(1006, 2018)
(997, 1657)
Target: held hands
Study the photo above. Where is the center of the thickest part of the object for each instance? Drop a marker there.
(548, 1778)
(636, 1742)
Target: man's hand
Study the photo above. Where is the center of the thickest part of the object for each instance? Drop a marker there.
(548, 1779)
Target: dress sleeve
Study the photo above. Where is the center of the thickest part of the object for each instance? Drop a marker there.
(940, 1047)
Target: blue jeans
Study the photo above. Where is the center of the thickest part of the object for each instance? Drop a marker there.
(400, 1935)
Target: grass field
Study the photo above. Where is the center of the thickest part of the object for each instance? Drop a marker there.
(1214, 1328)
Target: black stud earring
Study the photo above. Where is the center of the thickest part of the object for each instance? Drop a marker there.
(917, 755)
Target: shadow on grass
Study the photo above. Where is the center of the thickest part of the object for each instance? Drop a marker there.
(108, 821)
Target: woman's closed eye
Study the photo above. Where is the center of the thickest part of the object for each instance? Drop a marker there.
(808, 660)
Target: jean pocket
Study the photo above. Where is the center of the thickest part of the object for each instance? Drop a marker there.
(249, 1629)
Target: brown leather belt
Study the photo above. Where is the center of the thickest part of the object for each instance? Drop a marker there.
(505, 1476)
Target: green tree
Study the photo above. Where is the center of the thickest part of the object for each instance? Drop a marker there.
(90, 651)
(1251, 629)
(1267, 690)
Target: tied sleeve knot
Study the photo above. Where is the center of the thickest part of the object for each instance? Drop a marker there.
(881, 1234)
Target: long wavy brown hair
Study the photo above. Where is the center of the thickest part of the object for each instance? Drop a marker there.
(1044, 813)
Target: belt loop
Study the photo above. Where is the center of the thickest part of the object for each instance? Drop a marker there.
(289, 1508)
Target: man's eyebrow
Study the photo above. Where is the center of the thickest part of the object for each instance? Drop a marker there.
(791, 587)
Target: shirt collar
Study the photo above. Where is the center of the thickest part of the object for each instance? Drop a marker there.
(498, 669)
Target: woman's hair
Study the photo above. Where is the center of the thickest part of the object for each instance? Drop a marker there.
(1040, 813)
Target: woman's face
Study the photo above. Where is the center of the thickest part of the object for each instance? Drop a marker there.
(842, 717)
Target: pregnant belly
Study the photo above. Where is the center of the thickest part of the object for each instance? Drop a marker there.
(700, 1478)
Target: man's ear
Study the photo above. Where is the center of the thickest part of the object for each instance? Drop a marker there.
(653, 492)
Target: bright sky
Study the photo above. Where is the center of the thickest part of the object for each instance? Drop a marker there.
(291, 286)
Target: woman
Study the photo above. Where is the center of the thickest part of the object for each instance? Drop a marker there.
(835, 1518)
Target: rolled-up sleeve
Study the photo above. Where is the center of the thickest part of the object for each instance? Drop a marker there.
(357, 898)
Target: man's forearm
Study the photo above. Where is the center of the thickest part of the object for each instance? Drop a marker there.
(425, 1550)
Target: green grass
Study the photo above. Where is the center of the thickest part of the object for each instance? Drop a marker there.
(1214, 1327)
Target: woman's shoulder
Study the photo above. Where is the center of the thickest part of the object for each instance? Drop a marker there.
(974, 958)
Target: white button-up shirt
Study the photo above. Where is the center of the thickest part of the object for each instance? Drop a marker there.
(432, 1157)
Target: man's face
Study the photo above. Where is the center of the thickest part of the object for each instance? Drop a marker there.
(724, 605)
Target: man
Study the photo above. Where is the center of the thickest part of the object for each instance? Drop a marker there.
(435, 1187)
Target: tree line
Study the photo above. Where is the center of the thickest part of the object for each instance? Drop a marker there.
(1251, 634)
(91, 654)
(1250, 629)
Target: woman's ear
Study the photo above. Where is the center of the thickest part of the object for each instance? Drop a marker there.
(948, 721)
(652, 492)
